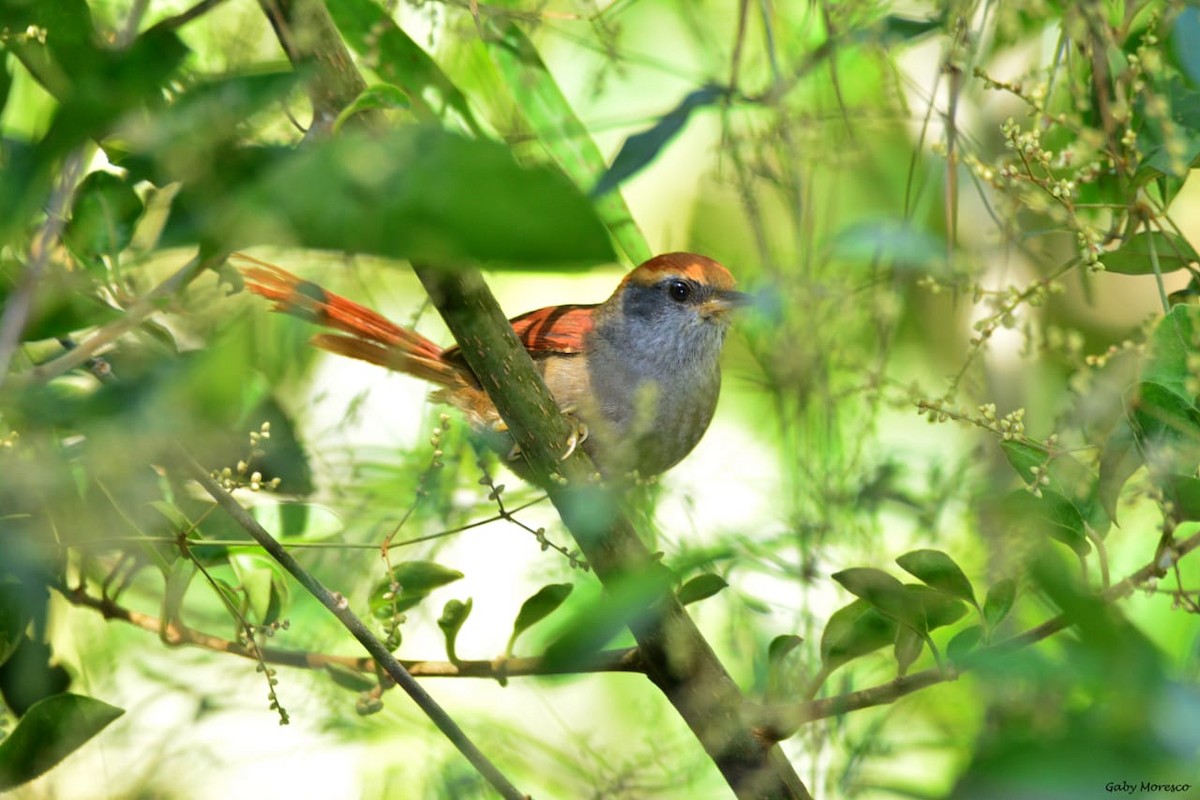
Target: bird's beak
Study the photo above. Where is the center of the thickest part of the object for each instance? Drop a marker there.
(722, 303)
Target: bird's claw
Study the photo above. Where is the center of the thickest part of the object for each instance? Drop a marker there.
(577, 437)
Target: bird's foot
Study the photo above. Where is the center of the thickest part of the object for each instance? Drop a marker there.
(578, 436)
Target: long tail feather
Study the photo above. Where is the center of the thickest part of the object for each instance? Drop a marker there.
(371, 337)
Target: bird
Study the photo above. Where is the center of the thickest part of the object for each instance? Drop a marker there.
(639, 373)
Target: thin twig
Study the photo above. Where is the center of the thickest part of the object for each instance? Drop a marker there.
(340, 608)
(176, 634)
(183, 18)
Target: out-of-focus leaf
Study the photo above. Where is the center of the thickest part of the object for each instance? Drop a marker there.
(884, 593)
(889, 241)
(1184, 493)
(963, 642)
(179, 577)
(350, 679)
(14, 618)
(415, 193)
(1119, 459)
(936, 569)
(782, 645)
(537, 607)
(854, 631)
(999, 601)
(454, 614)
(1136, 255)
(64, 302)
(622, 606)
(701, 587)
(907, 649)
(560, 131)
(1185, 41)
(642, 148)
(28, 677)
(896, 29)
(49, 732)
(381, 96)
(394, 56)
(416, 579)
(1174, 338)
(1167, 428)
(1051, 514)
(102, 219)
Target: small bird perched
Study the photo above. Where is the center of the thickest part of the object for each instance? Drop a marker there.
(640, 371)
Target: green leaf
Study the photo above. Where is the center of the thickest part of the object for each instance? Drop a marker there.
(896, 29)
(854, 631)
(781, 646)
(416, 580)
(65, 302)
(999, 601)
(394, 56)
(1174, 338)
(642, 148)
(1136, 255)
(28, 676)
(381, 96)
(1119, 459)
(350, 679)
(1024, 458)
(890, 241)
(105, 210)
(14, 618)
(49, 732)
(537, 607)
(179, 577)
(700, 588)
(454, 614)
(884, 593)
(624, 604)
(416, 193)
(907, 649)
(937, 608)
(1051, 514)
(548, 112)
(1185, 41)
(1183, 491)
(963, 643)
(936, 569)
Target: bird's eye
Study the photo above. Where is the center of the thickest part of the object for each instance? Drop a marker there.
(680, 291)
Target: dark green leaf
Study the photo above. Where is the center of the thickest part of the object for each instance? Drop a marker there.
(907, 649)
(14, 618)
(1119, 459)
(854, 631)
(28, 676)
(1183, 491)
(537, 607)
(883, 592)
(782, 645)
(938, 609)
(49, 732)
(1136, 255)
(415, 193)
(642, 148)
(1050, 514)
(936, 569)
(65, 302)
(102, 217)
(701, 587)
(964, 642)
(454, 614)
(896, 29)
(999, 601)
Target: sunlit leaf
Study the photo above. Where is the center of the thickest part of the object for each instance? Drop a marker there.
(454, 614)
(49, 732)
(907, 649)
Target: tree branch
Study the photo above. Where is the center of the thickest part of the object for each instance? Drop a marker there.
(174, 633)
(340, 608)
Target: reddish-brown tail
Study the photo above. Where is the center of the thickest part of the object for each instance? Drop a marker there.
(364, 334)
